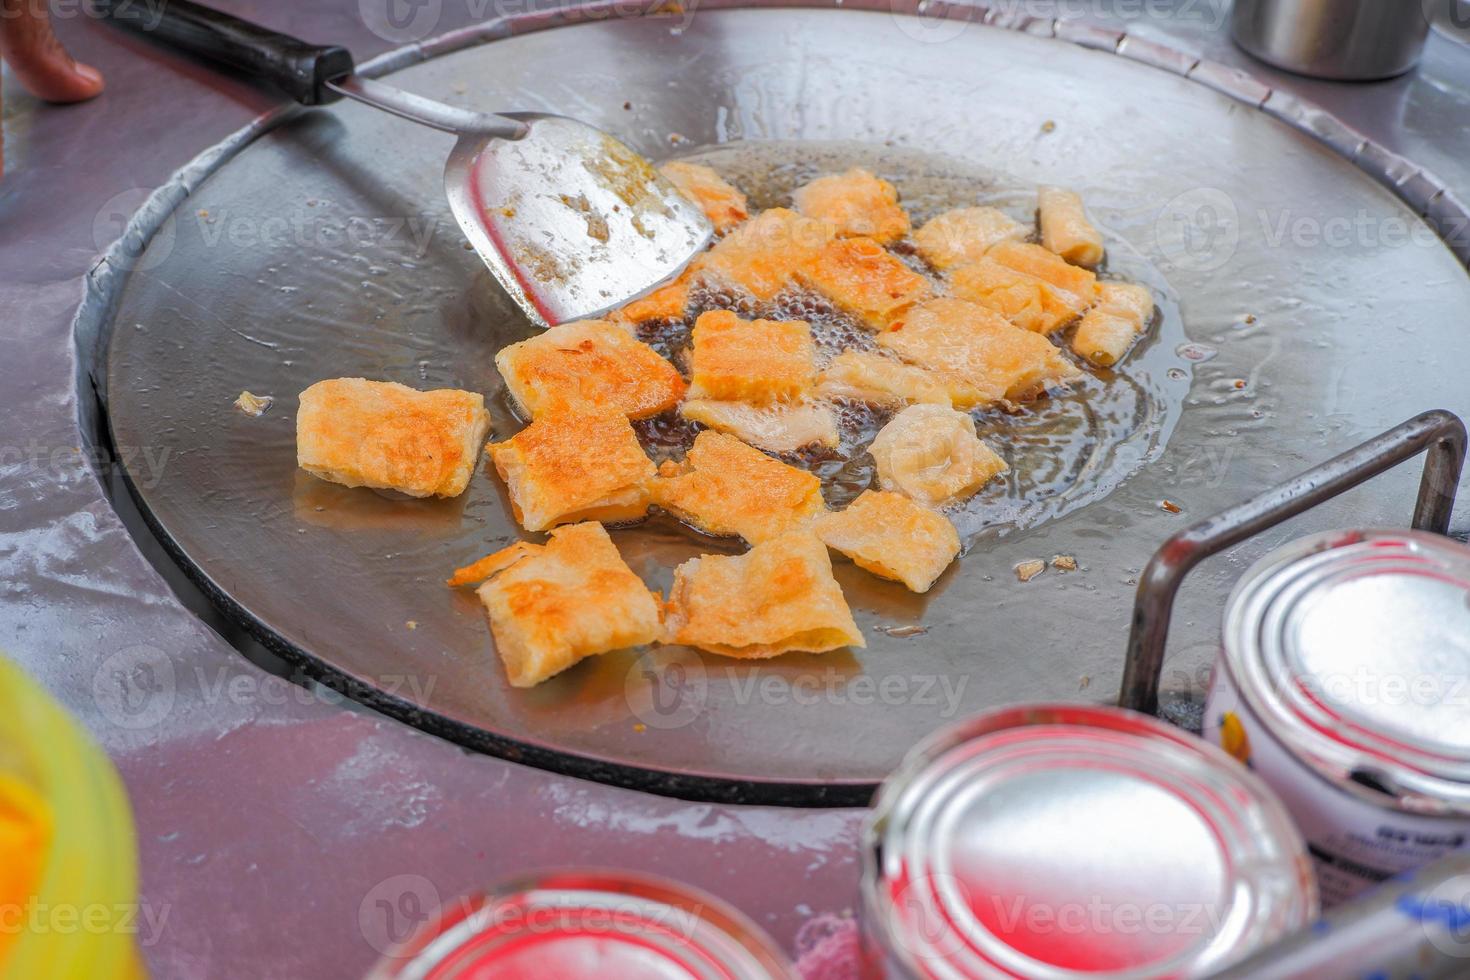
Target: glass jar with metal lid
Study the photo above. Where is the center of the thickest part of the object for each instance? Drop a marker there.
(1074, 840)
(1344, 682)
(587, 924)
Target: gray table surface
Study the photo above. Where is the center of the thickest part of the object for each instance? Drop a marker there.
(275, 822)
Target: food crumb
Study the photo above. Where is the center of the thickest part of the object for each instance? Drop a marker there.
(1064, 563)
(904, 632)
(254, 405)
(628, 105)
(1250, 318)
(1048, 126)
(640, 727)
(468, 247)
(676, 138)
(1083, 681)
(1029, 569)
(1168, 506)
(1238, 384)
(412, 624)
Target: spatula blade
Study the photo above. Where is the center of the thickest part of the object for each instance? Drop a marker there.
(571, 221)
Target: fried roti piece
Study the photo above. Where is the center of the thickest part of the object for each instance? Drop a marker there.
(964, 235)
(591, 365)
(864, 279)
(388, 436)
(877, 379)
(720, 200)
(1028, 302)
(855, 203)
(778, 597)
(664, 304)
(782, 428)
(1046, 266)
(1065, 229)
(1126, 299)
(572, 465)
(893, 537)
(725, 487)
(979, 356)
(1122, 314)
(757, 361)
(762, 256)
(484, 568)
(932, 455)
(553, 605)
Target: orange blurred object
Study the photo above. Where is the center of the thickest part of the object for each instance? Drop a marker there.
(68, 858)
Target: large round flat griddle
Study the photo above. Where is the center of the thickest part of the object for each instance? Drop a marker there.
(325, 249)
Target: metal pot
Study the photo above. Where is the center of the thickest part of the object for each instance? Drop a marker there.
(1345, 40)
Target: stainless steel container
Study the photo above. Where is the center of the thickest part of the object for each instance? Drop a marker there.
(1345, 40)
(1344, 683)
(586, 925)
(1078, 841)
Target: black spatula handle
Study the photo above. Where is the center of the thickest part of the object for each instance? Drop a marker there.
(299, 69)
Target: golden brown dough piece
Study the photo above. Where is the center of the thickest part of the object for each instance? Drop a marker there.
(553, 605)
(893, 537)
(762, 255)
(864, 279)
(964, 235)
(1122, 314)
(778, 597)
(478, 571)
(589, 365)
(570, 466)
(932, 455)
(855, 203)
(980, 357)
(1065, 229)
(720, 200)
(388, 436)
(781, 428)
(757, 361)
(725, 487)
(1047, 266)
(1028, 302)
(665, 303)
(879, 379)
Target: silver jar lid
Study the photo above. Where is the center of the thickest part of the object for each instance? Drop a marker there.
(1353, 650)
(587, 924)
(1064, 841)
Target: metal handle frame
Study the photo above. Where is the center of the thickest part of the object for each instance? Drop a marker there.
(428, 112)
(1440, 433)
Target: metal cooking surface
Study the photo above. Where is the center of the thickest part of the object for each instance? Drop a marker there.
(1320, 310)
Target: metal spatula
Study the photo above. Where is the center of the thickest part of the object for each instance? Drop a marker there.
(572, 222)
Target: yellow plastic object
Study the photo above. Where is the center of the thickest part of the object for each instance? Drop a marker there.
(68, 858)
